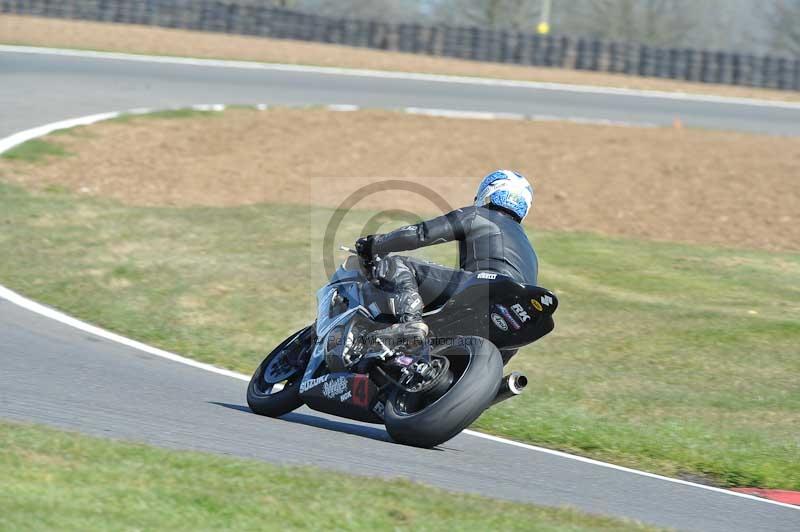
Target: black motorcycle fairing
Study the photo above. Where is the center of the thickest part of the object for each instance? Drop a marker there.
(350, 395)
(496, 307)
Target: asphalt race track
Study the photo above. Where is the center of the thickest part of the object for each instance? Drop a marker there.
(36, 88)
(58, 375)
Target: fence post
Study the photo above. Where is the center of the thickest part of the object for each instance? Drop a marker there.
(644, 60)
(783, 81)
(464, 43)
(659, 62)
(339, 28)
(140, 14)
(687, 62)
(736, 69)
(580, 54)
(502, 46)
(535, 45)
(766, 71)
(722, 67)
(563, 51)
(628, 58)
(613, 57)
(220, 17)
(433, 46)
(404, 39)
(231, 18)
(474, 43)
(517, 50)
(447, 41)
(672, 66)
(375, 34)
(549, 50)
(271, 23)
(522, 51)
(796, 77)
(596, 50)
(705, 59)
(416, 37)
(494, 45)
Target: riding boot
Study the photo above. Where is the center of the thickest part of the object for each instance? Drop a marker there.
(410, 334)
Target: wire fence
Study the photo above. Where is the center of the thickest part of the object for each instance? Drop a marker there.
(498, 46)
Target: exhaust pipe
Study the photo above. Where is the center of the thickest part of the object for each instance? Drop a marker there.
(511, 386)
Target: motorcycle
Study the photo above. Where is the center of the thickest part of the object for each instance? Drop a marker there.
(423, 396)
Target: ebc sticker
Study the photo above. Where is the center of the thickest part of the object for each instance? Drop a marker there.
(499, 322)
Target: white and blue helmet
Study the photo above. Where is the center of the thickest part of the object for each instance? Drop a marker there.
(507, 190)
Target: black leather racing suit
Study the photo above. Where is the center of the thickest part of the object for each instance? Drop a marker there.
(489, 239)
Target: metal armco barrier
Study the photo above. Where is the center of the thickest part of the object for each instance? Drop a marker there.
(498, 46)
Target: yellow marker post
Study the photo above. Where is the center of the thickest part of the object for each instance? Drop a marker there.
(544, 20)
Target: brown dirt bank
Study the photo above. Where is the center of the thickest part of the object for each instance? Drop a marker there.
(162, 41)
(685, 185)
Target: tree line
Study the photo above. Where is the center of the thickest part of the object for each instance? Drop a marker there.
(752, 26)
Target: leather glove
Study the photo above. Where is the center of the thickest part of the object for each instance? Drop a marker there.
(364, 247)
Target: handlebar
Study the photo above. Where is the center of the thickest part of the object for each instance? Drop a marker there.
(366, 264)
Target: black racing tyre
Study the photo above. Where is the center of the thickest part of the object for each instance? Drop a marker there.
(279, 392)
(478, 370)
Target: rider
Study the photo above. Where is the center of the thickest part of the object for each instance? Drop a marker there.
(490, 238)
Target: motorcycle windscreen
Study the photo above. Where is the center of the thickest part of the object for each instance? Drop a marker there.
(333, 300)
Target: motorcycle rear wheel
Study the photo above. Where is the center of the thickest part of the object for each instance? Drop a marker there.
(265, 397)
(479, 368)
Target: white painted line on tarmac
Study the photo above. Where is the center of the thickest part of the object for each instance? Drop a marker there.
(481, 115)
(450, 113)
(411, 76)
(342, 107)
(30, 134)
(213, 107)
(58, 316)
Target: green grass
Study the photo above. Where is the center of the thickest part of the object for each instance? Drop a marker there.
(35, 150)
(55, 480)
(678, 359)
(165, 114)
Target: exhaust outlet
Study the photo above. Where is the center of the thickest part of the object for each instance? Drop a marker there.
(510, 386)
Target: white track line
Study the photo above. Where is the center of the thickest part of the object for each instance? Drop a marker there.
(476, 115)
(56, 315)
(412, 76)
(60, 317)
(30, 134)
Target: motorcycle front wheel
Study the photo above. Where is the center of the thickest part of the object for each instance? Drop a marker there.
(274, 389)
(477, 368)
